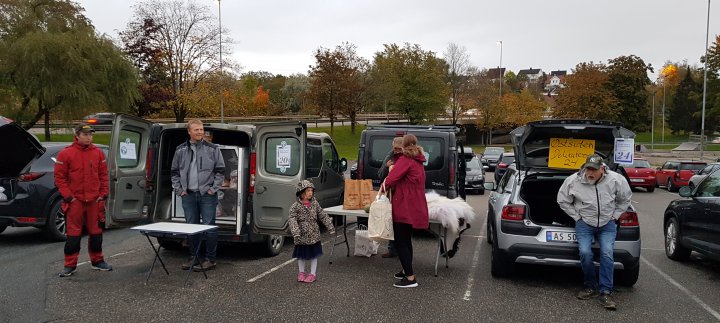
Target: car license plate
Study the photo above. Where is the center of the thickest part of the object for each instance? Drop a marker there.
(637, 180)
(559, 236)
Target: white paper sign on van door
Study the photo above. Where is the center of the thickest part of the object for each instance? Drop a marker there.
(282, 156)
(624, 150)
(427, 158)
(127, 150)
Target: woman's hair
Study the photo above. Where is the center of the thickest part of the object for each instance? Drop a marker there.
(410, 147)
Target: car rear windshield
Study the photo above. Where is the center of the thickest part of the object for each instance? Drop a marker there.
(640, 163)
(494, 151)
(433, 147)
(508, 159)
(684, 166)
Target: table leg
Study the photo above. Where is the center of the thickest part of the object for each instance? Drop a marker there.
(332, 249)
(196, 259)
(447, 254)
(347, 245)
(157, 257)
(437, 254)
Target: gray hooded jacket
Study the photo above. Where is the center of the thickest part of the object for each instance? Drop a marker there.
(580, 199)
(210, 167)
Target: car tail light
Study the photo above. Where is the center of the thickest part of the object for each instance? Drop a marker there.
(502, 165)
(253, 169)
(513, 212)
(628, 219)
(29, 177)
(91, 121)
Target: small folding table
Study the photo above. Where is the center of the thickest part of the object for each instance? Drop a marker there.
(175, 230)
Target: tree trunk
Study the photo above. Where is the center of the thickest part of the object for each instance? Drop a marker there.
(38, 114)
(353, 120)
(47, 125)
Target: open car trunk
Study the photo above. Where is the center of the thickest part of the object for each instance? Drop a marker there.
(540, 194)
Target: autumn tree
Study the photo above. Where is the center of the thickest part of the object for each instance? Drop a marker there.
(628, 81)
(586, 95)
(414, 79)
(458, 62)
(185, 43)
(521, 107)
(52, 60)
(337, 83)
(682, 116)
(482, 95)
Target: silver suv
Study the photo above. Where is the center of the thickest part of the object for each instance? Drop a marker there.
(525, 223)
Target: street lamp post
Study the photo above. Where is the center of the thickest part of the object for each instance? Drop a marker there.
(499, 42)
(222, 95)
(702, 125)
(652, 124)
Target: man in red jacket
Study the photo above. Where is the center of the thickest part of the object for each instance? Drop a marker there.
(82, 179)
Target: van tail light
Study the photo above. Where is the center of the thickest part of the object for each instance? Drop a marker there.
(502, 165)
(253, 170)
(29, 177)
(513, 212)
(629, 219)
(452, 175)
(360, 168)
(148, 167)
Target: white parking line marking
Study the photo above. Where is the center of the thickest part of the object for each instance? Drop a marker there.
(476, 259)
(683, 289)
(269, 271)
(653, 249)
(115, 255)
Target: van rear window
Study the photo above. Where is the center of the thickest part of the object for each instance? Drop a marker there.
(434, 153)
(684, 166)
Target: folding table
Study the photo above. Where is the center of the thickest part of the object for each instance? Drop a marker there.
(176, 230)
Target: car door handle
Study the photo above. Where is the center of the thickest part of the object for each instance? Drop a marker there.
(260, 189)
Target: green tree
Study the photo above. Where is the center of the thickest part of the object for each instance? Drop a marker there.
(482, 95)
(586, 95)
(51, 59)
(415, 81)
(628, 81)
(682, 116)
(295, 91)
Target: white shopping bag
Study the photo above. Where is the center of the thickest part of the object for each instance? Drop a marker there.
(2, 195)
(380, 224)
(363, 246)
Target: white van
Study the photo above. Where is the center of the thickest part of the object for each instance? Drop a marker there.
(264, 162)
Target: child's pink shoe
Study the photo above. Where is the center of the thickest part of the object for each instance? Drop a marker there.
(301, 277)
(309, 278)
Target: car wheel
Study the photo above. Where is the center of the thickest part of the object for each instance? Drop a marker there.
(273, 244)
(651, 189)
(673, 249)
(627, 277)
(670, 186)
(170, 244)
(500, 266)
(56, 226)
(2, 228)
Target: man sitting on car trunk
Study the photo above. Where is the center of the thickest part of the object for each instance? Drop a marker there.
(595, 197)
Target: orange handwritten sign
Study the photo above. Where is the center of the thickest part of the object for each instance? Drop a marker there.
(569, 153)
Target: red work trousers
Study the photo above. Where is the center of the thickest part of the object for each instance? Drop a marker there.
(81, 213)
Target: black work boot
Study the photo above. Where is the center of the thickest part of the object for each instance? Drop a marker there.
(587, 293)
(607, 301)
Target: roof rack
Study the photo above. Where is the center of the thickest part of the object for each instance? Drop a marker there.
(443, 128)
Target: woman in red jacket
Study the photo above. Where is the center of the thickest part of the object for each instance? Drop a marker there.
(409, 207)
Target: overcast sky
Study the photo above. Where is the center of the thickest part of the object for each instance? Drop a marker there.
(280, 36)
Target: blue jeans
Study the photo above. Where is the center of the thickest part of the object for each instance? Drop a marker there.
(201, 207)
(605, 237)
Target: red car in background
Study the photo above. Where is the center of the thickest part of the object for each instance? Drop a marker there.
(641, 174)
(675, 173)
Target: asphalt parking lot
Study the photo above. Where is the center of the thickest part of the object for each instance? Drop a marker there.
(248, 287)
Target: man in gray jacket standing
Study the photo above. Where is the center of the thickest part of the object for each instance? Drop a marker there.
(595, 197)
(197, 172)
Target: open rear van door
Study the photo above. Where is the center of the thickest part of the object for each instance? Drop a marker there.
(279, 166)
(127, 158)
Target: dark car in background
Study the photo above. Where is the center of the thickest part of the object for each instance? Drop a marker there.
(475, 176)
(100, 121)
(490, 156)
(641, 174)
(676, 173)
(692, 223)
(502, 165)
(36, 200)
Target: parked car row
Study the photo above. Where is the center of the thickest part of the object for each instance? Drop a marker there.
(673, 174)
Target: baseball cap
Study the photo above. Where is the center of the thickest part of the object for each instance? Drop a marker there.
(593, 161)
(84, 128)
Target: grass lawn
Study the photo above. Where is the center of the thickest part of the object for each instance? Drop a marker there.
(98, 138)
(345, 141)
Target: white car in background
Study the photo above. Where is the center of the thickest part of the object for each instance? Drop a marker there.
(697, 178)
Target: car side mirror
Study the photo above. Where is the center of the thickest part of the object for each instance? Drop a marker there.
(343, 165)
(685, 191)
(491, 186)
